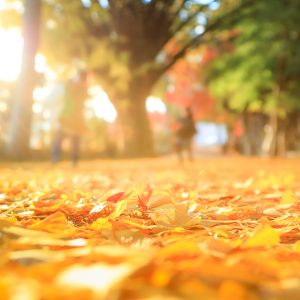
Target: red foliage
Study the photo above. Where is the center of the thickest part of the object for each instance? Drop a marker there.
(186, 88)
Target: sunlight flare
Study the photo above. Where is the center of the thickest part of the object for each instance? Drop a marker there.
(155, 105)
(10, 54)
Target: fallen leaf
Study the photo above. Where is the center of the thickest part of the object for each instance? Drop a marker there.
(116, 197)
(264, 235)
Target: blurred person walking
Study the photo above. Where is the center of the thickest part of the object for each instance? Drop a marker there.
(71, 122)
(184, 136)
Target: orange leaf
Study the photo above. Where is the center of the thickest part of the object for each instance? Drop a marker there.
(56, 222)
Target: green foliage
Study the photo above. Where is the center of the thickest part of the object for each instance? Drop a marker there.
(262, 70)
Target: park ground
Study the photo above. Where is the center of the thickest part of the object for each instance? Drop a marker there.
(219, 228)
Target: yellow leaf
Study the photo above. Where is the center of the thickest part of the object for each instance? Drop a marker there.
(11, 220)
(288, 198)
(178, 229)
(296, 246)
(120, 207)
(101, 223)
(264, 235)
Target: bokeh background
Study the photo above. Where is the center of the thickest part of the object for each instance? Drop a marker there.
(235, 63)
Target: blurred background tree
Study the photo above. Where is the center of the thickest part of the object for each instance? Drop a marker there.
(138, 48)
(19, 132)
(127, 44)
(257, 70)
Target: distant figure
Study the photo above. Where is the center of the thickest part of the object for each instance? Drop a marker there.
(184, 135)
(71, 120)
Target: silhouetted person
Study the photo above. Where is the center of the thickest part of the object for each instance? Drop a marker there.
(184, 135)
(71, 120)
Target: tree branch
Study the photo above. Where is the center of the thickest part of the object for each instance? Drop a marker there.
(181, 6)
(183, 24)
(190, 18)
(199, 38)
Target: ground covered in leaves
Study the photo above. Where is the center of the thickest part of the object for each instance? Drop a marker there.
(220, 228)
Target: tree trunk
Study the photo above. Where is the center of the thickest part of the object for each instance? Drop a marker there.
(132, 116)
(281, 138)
(138, 134)
(20, 127)
(274, 124)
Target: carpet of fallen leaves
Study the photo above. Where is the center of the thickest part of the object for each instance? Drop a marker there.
(220, 228)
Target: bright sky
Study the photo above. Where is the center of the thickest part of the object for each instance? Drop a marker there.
(10, 54)
(101, 105)
(11, 42)
(155, 105)
(104, 109)
(18, 5)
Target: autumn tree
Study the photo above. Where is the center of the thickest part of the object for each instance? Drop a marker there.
(260, 72)
(20, 127)
(185, 86)
(125, 43)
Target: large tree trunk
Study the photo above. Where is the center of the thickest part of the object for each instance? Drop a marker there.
(278, 142)
(133, 118)
(137, 135)
(20, 128)
(139, 138)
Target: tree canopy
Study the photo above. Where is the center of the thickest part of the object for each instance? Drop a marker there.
(131, 44)
(261, 70)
